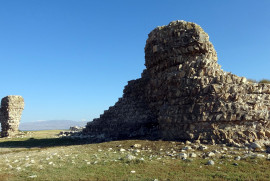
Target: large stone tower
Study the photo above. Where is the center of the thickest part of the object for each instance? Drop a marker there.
(10, 115)
(185, 95)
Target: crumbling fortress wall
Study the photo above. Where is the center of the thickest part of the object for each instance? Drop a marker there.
(10, 115)
(185, 95)
(130, 117)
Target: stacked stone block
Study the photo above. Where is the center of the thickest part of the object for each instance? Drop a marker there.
(10, 115)
(186, 95)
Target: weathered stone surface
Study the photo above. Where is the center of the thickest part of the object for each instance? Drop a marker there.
(10, 115)
(185, 95)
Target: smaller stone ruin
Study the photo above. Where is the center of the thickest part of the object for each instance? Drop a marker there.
(10, 115)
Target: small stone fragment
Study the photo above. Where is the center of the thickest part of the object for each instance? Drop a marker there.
(122, 150)
(210, 162)
(192, 155)
(131, 157)
(187, 148)
(137, 145)
(183, 156)
(211, 154)
(237, 158)
(255, 145)
(203, 147)
(32, 176)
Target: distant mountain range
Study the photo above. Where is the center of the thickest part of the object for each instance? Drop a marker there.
(50, 125)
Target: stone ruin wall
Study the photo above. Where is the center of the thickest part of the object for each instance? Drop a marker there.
(10, 115)
(130, 117)
(185, 95)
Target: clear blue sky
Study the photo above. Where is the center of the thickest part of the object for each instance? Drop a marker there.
(70, 59)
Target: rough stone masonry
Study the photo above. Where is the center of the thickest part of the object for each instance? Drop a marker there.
(185, 95)
(10, 115)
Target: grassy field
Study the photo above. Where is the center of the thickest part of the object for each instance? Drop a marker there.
(43, 156)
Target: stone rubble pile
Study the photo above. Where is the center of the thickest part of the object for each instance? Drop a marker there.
(73, 131)
(10, 115)
(76, 128)
(185, 95)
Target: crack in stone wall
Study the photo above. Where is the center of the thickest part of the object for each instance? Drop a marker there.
(185, 95)
(10, 115)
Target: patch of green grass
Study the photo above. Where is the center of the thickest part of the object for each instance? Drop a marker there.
(264, 81)
(251, 80)
(54, 159)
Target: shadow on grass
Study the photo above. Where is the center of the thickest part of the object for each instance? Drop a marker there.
(53, 142)
(45, 142)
